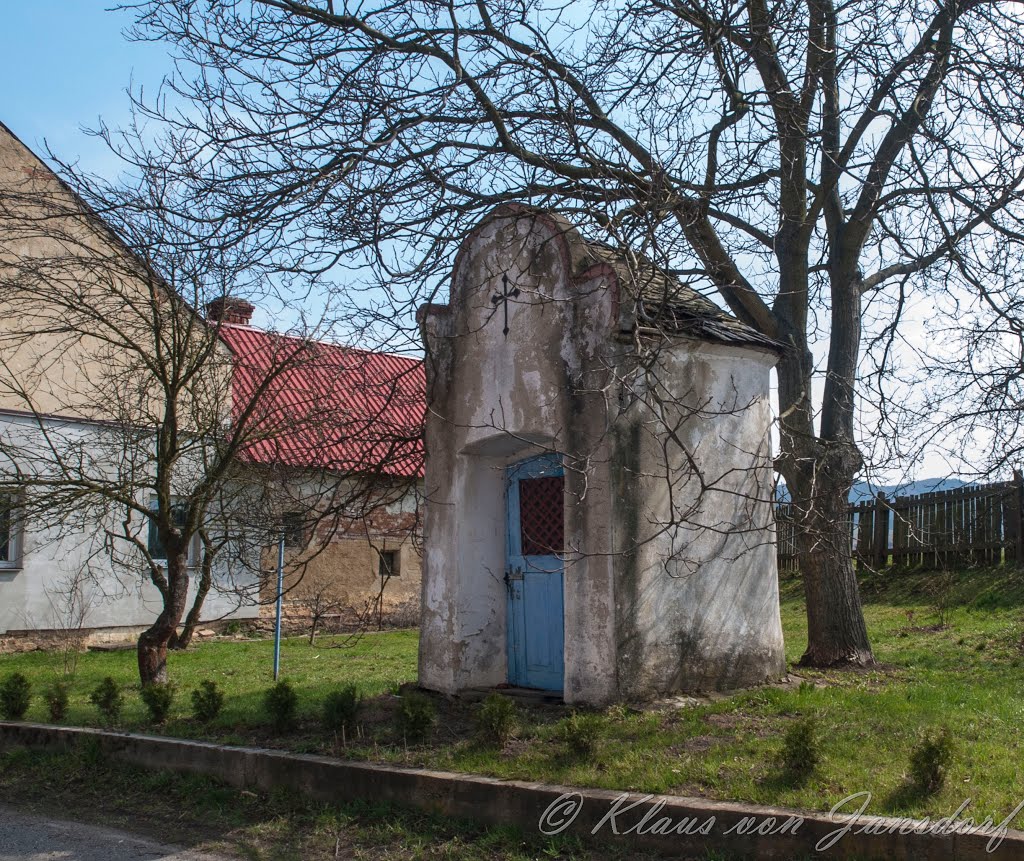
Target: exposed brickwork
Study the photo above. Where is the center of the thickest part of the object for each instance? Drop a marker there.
(341, 580)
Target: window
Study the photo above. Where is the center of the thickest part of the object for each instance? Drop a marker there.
(293, 529)
(10, 537)
(542, 515)
(388, 564)
(156, 547)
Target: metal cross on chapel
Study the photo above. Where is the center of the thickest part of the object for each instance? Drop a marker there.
(503, 297)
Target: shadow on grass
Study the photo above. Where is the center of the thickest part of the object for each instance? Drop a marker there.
(989, 588)
(784, 780)
(906, 797)
(999, 588)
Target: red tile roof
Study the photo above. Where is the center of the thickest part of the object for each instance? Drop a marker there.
(315, 404)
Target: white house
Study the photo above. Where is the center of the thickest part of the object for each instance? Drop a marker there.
(62, 398)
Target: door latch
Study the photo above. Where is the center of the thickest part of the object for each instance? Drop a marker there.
(512, 574)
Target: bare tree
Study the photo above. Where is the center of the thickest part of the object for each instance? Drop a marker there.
(811, 162)
(70, 599)
(320, 602)
(969, 397)
(140, 424)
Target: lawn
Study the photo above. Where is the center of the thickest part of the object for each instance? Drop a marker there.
(951, 653)
(243, 669)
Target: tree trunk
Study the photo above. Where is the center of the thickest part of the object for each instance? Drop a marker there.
(819, 474)
(836, 633)
(153, 642)
(152, 653)
(180, 641)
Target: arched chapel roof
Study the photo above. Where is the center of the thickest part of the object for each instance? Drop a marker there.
(649, 297)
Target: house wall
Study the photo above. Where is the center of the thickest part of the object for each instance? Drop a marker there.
(71, 296)
(345, 576)
(66, 546)
(337, 561)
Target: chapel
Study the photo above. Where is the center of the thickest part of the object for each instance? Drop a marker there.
(598, 484)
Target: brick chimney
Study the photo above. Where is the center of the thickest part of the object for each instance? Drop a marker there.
(230, 310)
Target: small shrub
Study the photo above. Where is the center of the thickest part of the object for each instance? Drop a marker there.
(207, 701)
(942, 596)
(800, 744)
(620, 712)
(340, 709)
(57, 700)
(580, 733)
(930, 760)
(15, 696)
(496, 719)
(415, 716)
(106, 696)
(280, 702)
(158, 699)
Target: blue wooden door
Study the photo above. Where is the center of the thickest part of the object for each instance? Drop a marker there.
(535, 506)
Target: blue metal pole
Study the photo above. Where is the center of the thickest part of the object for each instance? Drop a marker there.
(280, 593)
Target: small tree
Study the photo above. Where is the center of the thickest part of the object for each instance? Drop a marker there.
(70, 600)
(319, 601)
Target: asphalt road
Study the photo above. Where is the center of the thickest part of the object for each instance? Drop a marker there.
(27, 837)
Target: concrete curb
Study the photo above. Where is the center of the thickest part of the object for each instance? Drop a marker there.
(682, 827)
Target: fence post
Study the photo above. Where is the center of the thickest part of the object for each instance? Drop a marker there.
(880, 539)
(1018, 516)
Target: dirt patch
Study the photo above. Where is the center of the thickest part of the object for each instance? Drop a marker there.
(515, 748)
(697, 744)
(724, 721)
(690, 790)
(922, 629)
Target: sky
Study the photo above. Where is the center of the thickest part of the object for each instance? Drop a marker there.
(66, 65)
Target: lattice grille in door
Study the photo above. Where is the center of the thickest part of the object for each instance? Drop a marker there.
(541, 515)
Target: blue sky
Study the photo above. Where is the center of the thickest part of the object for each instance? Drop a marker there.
(64, 65)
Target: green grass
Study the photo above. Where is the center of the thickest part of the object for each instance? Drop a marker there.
(242, 669)
(967, 676)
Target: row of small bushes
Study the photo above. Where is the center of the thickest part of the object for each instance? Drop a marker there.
(496, 718)
(415, 716)
(107, 697)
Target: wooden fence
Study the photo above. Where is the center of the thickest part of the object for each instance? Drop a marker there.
(972, 525)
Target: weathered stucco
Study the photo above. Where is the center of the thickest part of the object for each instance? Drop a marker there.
(337, 571)
(665, 587)
(698, 600)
